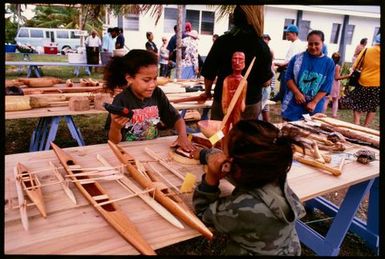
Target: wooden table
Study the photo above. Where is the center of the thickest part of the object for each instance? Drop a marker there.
(33, 66)
(50, 117)
(79, 229)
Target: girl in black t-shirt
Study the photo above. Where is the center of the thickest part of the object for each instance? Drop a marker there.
(148, 106)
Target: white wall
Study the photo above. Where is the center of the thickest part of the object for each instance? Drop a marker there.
(364, 28)
(137, 39)
(274, 23)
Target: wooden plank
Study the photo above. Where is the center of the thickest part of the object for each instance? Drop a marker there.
(61, 88)
(64, 110)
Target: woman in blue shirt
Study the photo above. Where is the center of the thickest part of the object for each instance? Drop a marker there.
(309, 78)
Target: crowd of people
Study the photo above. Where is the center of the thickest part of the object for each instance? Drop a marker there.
(308, 80)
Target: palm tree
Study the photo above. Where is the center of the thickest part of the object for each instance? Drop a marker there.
(54, 17)
(16, 11)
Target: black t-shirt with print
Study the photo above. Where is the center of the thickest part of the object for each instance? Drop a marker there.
(148, 114)
(218, 62)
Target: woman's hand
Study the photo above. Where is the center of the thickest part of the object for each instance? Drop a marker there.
(310, 106)
(299, 98)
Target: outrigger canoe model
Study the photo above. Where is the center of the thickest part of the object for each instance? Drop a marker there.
(189, 218)
(100, 200)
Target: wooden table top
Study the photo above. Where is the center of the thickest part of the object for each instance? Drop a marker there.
(64, 110)
(79, 229)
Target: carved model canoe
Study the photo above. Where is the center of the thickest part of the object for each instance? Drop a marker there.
(32, 187)
(95, 194)
(189, 218)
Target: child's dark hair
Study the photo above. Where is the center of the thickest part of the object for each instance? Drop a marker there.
(316, 32)
(260, 153)
(336, 57)
(116, 70)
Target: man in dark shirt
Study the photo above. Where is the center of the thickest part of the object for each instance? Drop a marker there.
(172, 46)
(119, 38)
(242, 37)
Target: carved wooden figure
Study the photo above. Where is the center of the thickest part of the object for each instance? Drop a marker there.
(230, 85)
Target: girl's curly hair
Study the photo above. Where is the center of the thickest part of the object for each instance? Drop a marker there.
(116, 70)
(260, 152)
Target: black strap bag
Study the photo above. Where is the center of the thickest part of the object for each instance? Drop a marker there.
(353, 80)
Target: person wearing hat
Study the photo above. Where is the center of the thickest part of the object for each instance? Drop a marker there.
(296, 46)
(190, 61)
(366, 96)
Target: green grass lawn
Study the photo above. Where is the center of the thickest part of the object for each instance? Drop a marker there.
(64, 72)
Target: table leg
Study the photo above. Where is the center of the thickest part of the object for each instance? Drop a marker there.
(52, 131)
(369, 231)
(36, 69)
(34, 144)
(330, 244)
(29, 71)
(75, 132)
(43, 132)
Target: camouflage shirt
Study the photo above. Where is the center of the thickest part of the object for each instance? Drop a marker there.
(260, 221)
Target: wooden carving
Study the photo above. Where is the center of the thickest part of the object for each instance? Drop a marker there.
(32, 187)
(100, 200)
(230, 85)
(189, 218)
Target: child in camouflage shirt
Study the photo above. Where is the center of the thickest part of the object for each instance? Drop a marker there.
(259, 216)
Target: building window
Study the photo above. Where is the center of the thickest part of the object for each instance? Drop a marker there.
(37, 34)
(74, 35)
(335, 35)
(304, 28)
(349, 34)
(376, 31)
(170, 19)
(287, 22)
(131, 22)
(192, 16)
(207, 25)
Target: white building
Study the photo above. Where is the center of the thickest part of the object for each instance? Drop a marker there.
(354, 22)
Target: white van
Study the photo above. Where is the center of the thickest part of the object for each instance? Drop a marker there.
(38, 37)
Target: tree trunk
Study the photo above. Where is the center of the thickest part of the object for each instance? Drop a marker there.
(181, 12)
